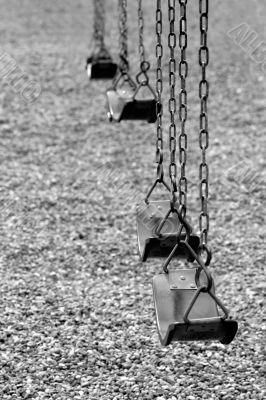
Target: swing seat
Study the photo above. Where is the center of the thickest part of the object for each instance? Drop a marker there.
(151, 245)
(101, 67)
(122, 105)
(172, 294)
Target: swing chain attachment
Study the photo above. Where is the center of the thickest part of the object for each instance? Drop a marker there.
(184, 225)
(203, 131)
(144, 68)
(159, 105)
(142, 79)
(215, 298)
(182, 211)
(123, 78)
(162, 181)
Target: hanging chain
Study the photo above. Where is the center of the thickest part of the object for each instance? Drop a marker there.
(159, 89)
(172, 99)
(123, 51)
(99, 24)
(204, 133)
(142, 77)
(183, 73)
(141, 32)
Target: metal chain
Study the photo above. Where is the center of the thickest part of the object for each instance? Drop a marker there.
(204, 133)
(159, 89)
(141, 32)
(122, 25)
(172, 99)
(142, 77)
(183, 73)
(99, 23)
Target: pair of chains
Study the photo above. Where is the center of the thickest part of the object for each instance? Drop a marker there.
(142, 77)
(183, 71)
(181, 187)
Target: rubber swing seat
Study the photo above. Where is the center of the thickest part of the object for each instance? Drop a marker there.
(122, 105)
(173, 293)
(100, 68)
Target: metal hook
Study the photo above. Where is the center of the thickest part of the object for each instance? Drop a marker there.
(126, 79)
(183, 225)
(203, 267)
(207, 250)
(191, 304)
(215, 298)
(145, 66)
(142, 84)
(153, 187)
(160, 226)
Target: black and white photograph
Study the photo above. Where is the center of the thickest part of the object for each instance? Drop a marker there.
(132, 200)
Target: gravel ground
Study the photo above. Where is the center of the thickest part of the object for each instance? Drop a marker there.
(77, 318)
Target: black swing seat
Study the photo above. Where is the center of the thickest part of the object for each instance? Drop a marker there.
(172, 293)
(152, 245)
(99, 67)
(123, 105)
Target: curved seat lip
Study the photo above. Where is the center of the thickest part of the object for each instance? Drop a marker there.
(232, 328)
(228, 327)
(166, 336)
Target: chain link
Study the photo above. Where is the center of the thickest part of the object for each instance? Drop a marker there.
(99, 24)
(159, 89)
(204, 132)
(122, 25)
(183, 73)
(172, 99)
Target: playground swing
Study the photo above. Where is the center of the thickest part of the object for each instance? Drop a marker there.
(158, 225)
(100, 64)
(186, 306)
(122, 98)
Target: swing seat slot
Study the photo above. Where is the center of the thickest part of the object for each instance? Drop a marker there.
(101, 67)
(122, 105)
(172, 294)
(149, 217)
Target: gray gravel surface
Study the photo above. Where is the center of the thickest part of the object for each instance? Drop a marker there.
(77, 319)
